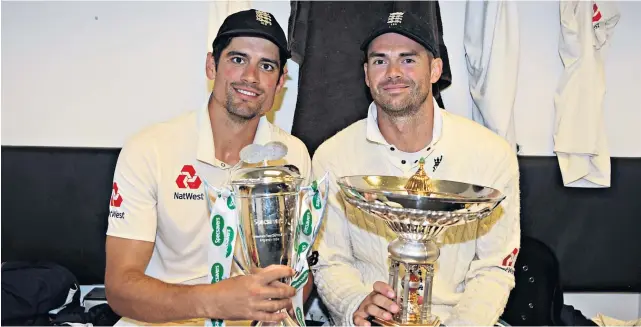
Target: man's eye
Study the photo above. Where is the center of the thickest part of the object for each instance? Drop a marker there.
(268, 67)
(237, 60)
(378, 62)
(408, 60)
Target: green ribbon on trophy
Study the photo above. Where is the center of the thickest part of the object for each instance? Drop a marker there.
(310, 220)
(223, 220)
(270, 188)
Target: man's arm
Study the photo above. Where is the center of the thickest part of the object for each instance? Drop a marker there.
(337, 280)
(133, 294)
(491, 275)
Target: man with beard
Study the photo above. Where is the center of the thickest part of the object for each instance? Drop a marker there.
(474, 273)
(158, 235)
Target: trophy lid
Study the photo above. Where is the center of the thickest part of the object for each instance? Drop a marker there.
(262, 175)
(265, 174)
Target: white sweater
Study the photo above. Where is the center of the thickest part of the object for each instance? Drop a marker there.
(474, 274)
(580, 141)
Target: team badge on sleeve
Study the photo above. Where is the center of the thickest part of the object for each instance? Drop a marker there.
(115, 202)
(509, 261)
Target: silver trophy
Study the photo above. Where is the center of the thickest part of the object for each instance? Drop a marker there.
(268, 203)
(418, 210)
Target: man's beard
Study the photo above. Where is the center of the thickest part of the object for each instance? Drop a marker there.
(408, 106)
(241, 111)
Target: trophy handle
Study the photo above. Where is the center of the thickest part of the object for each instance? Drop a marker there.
(240, 266)
(316, 229)
(219, 191)
(299, 262)
(243, 245)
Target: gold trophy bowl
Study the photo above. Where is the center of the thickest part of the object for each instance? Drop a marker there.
(418, 209)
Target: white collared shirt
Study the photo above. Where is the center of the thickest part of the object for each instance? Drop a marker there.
(473, 276)
(404, 161)
(159, 196)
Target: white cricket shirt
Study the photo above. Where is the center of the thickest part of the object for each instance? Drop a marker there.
(158, 194)
(580, 141)
(475, 271)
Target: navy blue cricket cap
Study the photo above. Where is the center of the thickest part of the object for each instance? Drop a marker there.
(254, 22)
(406, 24)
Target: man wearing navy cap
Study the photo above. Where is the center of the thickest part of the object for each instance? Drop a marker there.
(158, 235)
(474, 273)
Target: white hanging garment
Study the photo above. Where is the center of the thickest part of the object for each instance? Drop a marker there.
(579, 132)
(491, 42)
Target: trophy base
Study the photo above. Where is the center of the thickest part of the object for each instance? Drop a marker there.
(433, 323)
(287, 322)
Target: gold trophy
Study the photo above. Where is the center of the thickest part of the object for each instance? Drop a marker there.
(418, 209)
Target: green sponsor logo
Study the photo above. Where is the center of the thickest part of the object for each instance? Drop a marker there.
(230, 241)
(217, 272)
(230, 203)
(213, 220)
(314, 186)
(217, 322)
(217, 235)
(316, 201)
(307, 222)
(302, 247)
(296, 236)
(302, 280)
(299, 316)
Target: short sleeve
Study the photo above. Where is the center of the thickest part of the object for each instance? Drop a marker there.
(132, 206)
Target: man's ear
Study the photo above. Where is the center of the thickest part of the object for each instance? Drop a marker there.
(281, 80)
(436, 70)
(366, 77)
(210, 66)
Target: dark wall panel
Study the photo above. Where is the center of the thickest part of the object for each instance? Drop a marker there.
(55, 203)
(595, 233)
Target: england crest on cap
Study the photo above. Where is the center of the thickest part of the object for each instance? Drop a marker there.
(395, 18)
(263, 17)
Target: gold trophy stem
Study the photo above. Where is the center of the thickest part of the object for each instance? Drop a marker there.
(411, 260)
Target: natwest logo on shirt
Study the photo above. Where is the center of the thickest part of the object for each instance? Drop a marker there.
(509, 261)
(115, 202)
(188, 179)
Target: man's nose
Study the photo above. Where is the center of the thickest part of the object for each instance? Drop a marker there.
(393, 71)
(250, 74)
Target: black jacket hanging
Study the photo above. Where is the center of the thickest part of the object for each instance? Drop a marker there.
(325, 37)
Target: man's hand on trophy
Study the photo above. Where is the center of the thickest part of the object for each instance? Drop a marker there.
(259, 296)
(379, 304)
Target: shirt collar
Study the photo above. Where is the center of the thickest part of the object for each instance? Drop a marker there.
(374, 133)
(206, 151)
